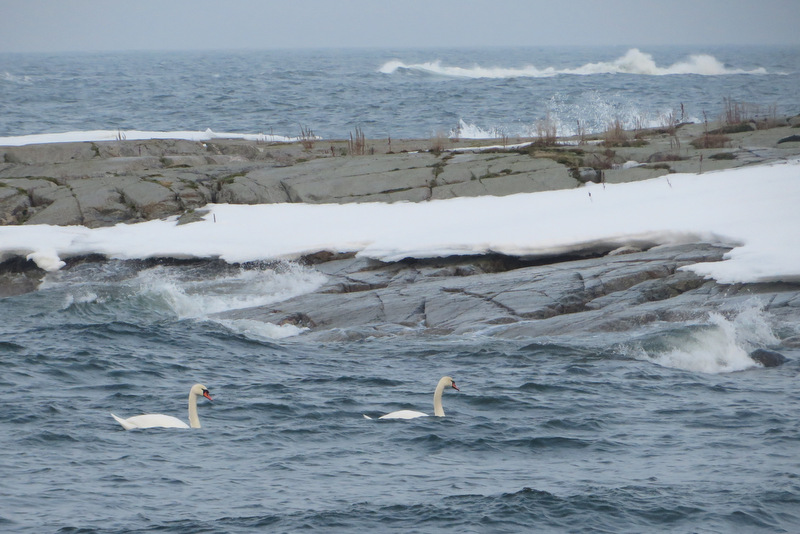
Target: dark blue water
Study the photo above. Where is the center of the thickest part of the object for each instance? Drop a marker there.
(545, 435)
(491, 92)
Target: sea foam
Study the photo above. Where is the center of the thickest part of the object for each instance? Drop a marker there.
(721, 344)
(633, 61)
(200, 299)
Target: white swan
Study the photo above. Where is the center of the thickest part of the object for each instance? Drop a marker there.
(444, 382)
(157, 420)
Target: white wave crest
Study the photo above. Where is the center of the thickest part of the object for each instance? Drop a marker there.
(435, 68)
(472, 131)
(248, 288)
(13, 78)
(722, 345)
(260, 330)
(87, 297)
(636, 62)
(633, 61)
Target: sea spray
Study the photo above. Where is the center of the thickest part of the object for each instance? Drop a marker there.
(718, 345)
(122, 290)
(633, 61)
(465, 130)
(243, 288)
(593, 110)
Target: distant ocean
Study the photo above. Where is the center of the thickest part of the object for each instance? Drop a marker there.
(579, 433)
(397, 93)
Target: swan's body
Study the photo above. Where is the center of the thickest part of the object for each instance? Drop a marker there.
(157, 420)
(404, 414)
(438, 411)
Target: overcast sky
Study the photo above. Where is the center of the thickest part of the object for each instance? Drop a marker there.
(89, 25)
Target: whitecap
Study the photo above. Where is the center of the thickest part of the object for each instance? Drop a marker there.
(13, 78)
(200, 299)
(472, 131)
(260, 330)
(633, 61)
(720, 345)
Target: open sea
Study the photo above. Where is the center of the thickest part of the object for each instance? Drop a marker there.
(391, 93)
(546, 435)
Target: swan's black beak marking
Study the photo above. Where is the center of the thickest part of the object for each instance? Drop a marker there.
(207, 395)
(453, 385)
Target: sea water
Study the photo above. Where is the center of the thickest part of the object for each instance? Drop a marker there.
(661, 429)
(656, 430)
(391, 93)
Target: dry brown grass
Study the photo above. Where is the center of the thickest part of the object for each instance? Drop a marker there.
(670, 122)
(615, 134)
(735, 112)
(710, 139)
(307, 137)
(546, 132)
(581, 132)
(740, 113)
(357, 145)
(438, 143)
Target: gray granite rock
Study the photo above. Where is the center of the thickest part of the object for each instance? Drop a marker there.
(105, 183)
(514, 299)
(768, 358)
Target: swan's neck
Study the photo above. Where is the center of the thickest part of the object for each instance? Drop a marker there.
(194, 421)
(438, 411)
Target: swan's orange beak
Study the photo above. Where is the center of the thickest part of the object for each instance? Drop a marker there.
(453, 385)
(207, 395)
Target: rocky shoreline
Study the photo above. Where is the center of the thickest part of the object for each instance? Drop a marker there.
(102, 184)
(510, 298)
(97, 184)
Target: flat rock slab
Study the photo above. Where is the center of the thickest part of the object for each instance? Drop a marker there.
(105, 183)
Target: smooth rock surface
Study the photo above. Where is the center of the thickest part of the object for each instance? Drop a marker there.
(105, 183)
(514, 299)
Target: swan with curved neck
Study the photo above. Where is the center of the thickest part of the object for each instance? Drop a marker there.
(157, 420)
(438, 411)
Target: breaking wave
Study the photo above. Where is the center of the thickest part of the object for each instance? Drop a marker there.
(719, 345)
(242, 288)
(633, 61)
(196, 293)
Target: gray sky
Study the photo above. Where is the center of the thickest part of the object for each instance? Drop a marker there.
(88, 25)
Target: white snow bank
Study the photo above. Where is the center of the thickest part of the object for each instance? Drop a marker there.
(136, 135)
(754, 209)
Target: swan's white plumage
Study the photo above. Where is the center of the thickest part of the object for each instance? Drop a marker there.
(444, 382)
(157, 420)
(150, 420)
(403, 414)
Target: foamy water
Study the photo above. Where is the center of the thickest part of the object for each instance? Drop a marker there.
(721, 344)
(633, 61)
(183, 293)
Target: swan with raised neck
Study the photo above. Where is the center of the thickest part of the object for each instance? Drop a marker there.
(438, 411)
(157, 420)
